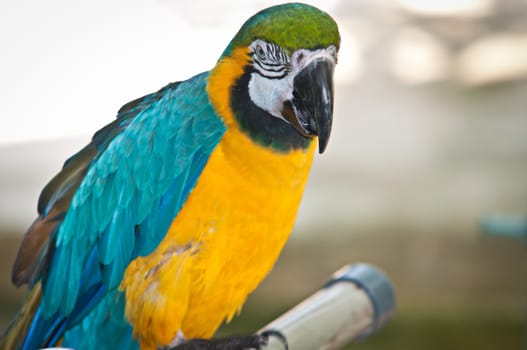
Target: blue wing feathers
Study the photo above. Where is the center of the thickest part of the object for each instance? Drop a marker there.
(147, 162)
(51, 329)
(111, 330)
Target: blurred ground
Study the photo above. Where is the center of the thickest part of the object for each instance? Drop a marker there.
(428, 138)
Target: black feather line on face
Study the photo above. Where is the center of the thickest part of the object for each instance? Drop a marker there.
(265, 64)
(262, 127)
(272, 57)
(272, 67)
(271, 76)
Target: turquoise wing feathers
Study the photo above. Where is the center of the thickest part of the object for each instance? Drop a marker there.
(134, 178)
(122, 192)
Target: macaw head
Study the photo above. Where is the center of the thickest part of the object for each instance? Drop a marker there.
(276, 76)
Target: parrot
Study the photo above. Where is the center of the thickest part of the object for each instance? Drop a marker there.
(155, 233)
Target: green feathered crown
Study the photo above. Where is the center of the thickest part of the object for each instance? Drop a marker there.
(291, 26)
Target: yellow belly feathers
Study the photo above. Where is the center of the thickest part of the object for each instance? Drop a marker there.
(225, 239)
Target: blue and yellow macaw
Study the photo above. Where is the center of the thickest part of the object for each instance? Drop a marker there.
(157, 230)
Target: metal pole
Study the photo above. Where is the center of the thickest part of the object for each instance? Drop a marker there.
(357, 301)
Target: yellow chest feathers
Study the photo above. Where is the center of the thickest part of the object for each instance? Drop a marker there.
(220, 246)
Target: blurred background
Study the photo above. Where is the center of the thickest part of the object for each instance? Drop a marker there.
(425, 174)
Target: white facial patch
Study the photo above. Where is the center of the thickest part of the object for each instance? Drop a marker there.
(272, 82)
(269, 94)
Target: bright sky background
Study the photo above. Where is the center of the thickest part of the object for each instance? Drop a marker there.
(67, 66)
(402, 125)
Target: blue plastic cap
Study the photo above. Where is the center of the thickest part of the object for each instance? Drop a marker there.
(376, 285)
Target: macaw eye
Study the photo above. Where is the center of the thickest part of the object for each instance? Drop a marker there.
(260, 52)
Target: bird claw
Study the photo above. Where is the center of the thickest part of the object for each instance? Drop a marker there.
(233, 343)
(265, 335)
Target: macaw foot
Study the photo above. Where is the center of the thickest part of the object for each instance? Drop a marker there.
(245, 342)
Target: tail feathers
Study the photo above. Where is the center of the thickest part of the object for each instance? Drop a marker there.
(14, 335)
(29, 330)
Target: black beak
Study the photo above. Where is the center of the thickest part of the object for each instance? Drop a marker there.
(310, 110)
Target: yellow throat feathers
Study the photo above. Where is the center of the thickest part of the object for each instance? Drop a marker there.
(227, 236)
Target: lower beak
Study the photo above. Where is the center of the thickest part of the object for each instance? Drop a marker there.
(310, 110)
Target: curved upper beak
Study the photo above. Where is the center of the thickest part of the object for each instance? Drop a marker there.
(310, 110)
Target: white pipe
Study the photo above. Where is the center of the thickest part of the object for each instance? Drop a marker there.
(356, 302)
